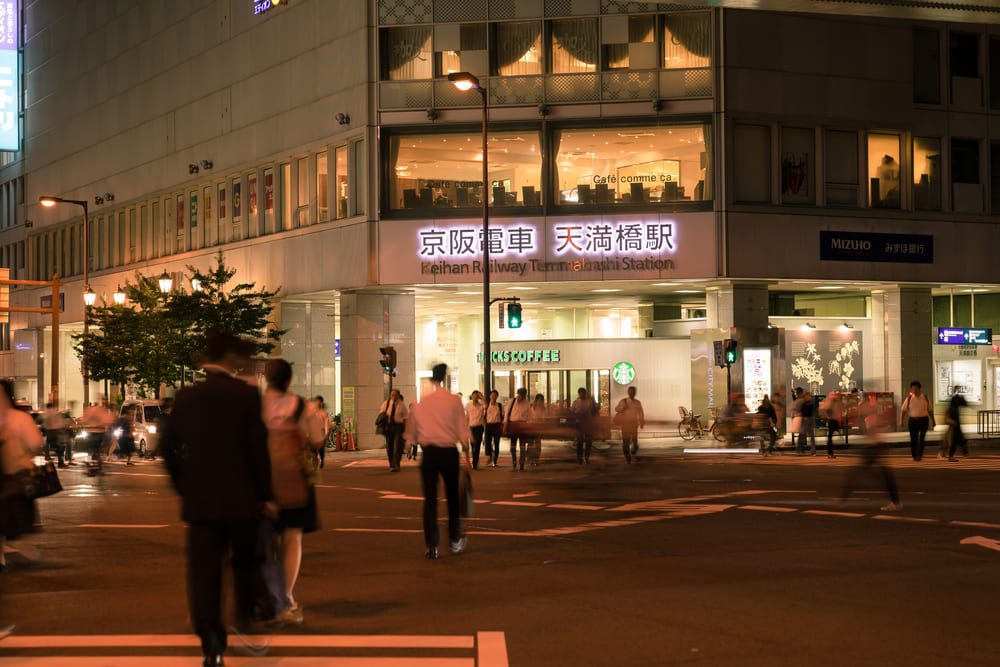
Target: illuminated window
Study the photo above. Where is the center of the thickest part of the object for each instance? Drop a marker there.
(927, 173)
(633, 165)
(518, 48)
(445, 170)
(574, 46)
(343, 182)
(322, 184)
(461, 48)
(406, 53)
(687, 40)
(883, 170)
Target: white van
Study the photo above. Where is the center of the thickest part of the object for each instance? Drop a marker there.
(144, 415)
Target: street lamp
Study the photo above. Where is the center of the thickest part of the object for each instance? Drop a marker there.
(88, 299)
(166, 282)
(119, 296)
(467, 81)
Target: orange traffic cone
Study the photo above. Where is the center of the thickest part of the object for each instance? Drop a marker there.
(340, 440)
(350, 441)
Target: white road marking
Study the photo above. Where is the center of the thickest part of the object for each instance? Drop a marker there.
(983, 542)
(576, 507)
(828, 513)
(517, 503)
(123, 525)
(526, 495)
(767, 508)
(976, 524)
(910, 519)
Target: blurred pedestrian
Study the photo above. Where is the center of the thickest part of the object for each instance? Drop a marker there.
(873, 463)
(515, 424)
(767, 409)
(795, 412)
(166, 408)
(808, 432)
(955, 438)
(832, 410)
(395, 412)
(494, 427)
(97, 422)
(921, 415)
(55, 424)
(321, 419)
(125, 433)
(630, 419)
(20, 442)
(476, 413)
(532, 453)
(215, 449)
(289, 443)
(438, 422)
(584, 410)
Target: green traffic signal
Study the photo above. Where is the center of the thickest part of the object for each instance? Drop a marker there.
(514, 316)
(732, 355)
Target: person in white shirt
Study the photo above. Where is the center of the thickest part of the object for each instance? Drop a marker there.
(395, 410)
(921, 414)
(320, 419)
(438, 423)
(476, 412)
(21, 441)
(494, 426)
(584, 409)
(517, 417)
(630, 418)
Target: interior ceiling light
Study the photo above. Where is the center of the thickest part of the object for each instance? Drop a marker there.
(830, 287)
(808, 326)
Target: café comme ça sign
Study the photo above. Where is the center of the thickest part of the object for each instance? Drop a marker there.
(574, 246)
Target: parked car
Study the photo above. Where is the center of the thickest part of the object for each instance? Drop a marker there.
(143, 414)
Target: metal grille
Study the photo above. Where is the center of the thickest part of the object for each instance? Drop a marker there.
(628, 86)
(447, 95)
(400, 12)
(572, 88)
(623, 7)
(459, 10)
(680, 83)
(558, 7)
(503, 9)
(516, 90)
(405, 94)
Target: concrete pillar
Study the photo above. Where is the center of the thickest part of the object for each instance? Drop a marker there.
(368, 321)
(902, 349)
(731, 304)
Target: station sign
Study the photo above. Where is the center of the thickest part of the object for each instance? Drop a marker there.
(963, 336)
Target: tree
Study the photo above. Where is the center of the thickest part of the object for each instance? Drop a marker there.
(152, 341)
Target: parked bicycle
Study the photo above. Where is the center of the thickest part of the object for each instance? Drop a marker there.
(691, 426)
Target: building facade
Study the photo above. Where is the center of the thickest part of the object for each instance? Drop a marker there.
(822, 187)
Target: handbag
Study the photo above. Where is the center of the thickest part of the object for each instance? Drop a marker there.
(381, 421)
(44, 481)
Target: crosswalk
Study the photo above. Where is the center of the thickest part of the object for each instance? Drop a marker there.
(897, 461)
(482, 649)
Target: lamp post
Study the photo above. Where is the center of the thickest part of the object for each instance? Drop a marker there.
(467, 81)
(88, 294)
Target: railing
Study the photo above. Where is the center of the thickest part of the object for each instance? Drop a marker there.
(988, 423)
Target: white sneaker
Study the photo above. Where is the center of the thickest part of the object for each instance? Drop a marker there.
(892, 507)
(458, 546)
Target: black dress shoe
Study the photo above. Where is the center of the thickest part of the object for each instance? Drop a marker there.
(432, 553)
(213, 661)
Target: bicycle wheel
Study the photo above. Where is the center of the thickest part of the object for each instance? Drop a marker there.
(685, 431)
(717, 432)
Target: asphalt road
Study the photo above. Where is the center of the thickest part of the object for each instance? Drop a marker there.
(679, 559)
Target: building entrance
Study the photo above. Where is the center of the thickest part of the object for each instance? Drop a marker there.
(559, 387)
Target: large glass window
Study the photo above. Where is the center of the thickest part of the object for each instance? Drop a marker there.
(632, 165)
(322, 198)
(343, 182)
(269, 201)
(927, 173)
(223, 212)
(841, 167)
(518, 48)
(210, 229)
(687, 40)
(359, 181)
(629, 42)
(797, 159)
(252, 204)
(406, 53)
(964, 51)
(574, 46)
(965, 161)
(461, 48)
(302, 203)
(883, 170)
(285, 212)
(445, 170)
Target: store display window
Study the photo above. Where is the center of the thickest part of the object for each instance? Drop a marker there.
(964, 373)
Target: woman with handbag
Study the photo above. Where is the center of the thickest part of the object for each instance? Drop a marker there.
(288, 446)
(20, 441)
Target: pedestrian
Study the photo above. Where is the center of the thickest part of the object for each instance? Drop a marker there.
(921, 415)
(21, 441)
(476, 413)
(767, 409)
(795, 412)
(808, 432)
(321, 419)
(494, 427)
(288, 444)
(583, 410)
(97, 422)
(215, 449)
(955, 438)
(778, 401)
(515, 424)
(537, 426)
(438, 422)
(395, 411)
(166, 408)
(55, 425)
(630, 418)
(873, 463)
(832, 411)
(126, 436)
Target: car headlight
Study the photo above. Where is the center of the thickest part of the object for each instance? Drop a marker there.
(117, 433)
(82, 434)
(151, 428)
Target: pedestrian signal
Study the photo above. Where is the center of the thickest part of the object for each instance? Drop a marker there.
(514, 316)
(732, 355)
(388, 360)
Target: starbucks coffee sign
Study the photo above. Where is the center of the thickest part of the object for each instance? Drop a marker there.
(623, 372)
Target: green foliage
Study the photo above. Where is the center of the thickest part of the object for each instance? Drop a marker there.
(153, 340)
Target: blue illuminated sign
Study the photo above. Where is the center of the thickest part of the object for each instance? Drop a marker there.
(959, 336)
(10, 88)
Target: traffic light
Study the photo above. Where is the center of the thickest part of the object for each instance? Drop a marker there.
(732, 355)
(388, 360)
(514, 315)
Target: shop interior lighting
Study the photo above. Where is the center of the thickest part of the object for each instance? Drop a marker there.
(807, 326)
(846, 326)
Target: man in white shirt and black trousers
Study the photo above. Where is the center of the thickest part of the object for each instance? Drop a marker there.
(438, 423)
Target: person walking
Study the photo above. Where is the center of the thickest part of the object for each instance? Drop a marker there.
(955, 438)
(832, 410)
(321, 424)
(215, 449)
(20, 441)
(438, 422)
(494, 427)
(476, 413)
(395, 410)
(55, 423)
(795, 413)
(583, 410)
(808, 411)
(921, 415)
(97, 421)
(873, 463)
(630, 418)
(537, 426)
(767, 409)
(288, 443)
(518, 416)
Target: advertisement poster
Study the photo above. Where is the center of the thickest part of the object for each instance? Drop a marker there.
(824, 361)
(756, 377)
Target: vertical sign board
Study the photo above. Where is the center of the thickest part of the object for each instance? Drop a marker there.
(10, 77)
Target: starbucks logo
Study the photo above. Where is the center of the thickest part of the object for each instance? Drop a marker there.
(623, 372)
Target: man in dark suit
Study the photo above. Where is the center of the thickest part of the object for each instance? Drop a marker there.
(215, 448)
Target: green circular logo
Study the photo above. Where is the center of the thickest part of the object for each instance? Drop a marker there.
(623, 372)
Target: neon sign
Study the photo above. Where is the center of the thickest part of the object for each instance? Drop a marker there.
(10, 77)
